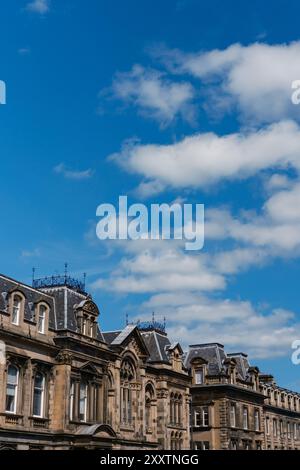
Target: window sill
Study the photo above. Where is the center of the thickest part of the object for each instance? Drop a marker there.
(12, 418)
(39, 422)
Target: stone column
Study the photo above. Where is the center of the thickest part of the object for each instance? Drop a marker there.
(61, 391)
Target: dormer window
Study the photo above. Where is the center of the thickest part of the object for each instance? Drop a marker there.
(16, 309)
(42, 319)
(199, 376)
(84, 325)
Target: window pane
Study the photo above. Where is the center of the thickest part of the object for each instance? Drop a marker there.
(38, 395)
(11, 389)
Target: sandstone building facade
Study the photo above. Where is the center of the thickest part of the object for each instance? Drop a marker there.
(66, 384)
(236, 407)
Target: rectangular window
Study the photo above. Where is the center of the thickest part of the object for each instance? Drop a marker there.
(42, 319)
(232, 415)
(12, 389)
(205, 416)
(289, 431)
(198, 420)
(281, 428)
(199, 376)
(267, 425)
(245, 417)
(295, 431)
(72, 400)
(233, 444)
(256, 420)
(83, 402)
(275, 430)
(17, 302)
(38, 395)
(201, 445)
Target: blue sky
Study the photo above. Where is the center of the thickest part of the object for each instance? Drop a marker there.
(207, 86)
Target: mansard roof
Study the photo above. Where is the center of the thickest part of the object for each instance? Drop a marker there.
(62, 300)
(32, 298)
(218, 360)
(212, 353)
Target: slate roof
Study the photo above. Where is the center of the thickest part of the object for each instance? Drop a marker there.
(61, 300)
(212, 353)
(32, 297)
(242, 364)
(157, 345)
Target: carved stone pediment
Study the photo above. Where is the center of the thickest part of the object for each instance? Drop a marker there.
(89, 307)
(197, 361)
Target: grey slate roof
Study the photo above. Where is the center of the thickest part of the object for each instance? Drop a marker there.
(32, 297)
(157, 345)
(242, 364)
(61, 300)
(217, 359)
(212, 353)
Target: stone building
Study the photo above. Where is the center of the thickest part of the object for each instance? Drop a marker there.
(65, 384)
(235, 407)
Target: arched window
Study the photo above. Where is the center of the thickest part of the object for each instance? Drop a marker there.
(42, 319)
(179, 409)
(149, 395)
(172, 411)
(127, 375)
(173, 441)
(16, 309)
(12, 385)
(39, 395)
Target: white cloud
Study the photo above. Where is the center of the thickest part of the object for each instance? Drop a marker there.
(68, 173)
(260, 335)
(205, 159)
(38, 6)
(24, 51)
(256, 78)
(31, 253)
(162, 270)
(154, 95)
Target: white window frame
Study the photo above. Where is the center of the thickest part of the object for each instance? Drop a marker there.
(42, 312)
(199, 372)
(83, 386)
(42, 396)
(16, 389)
(72, 400)
(15, 317)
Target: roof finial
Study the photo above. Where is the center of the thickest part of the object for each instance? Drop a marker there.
(84, 280)
(33, 274)
(153, 317)
(126, 316)
(66, 271)
(165, 321)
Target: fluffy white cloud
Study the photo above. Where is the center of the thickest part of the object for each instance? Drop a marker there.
(38, 6)
(68, 173)
(205, 159)
(167, 270)
(260, 335)
(257, 78)
(154, 95)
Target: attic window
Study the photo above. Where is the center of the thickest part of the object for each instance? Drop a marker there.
(199, 375)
